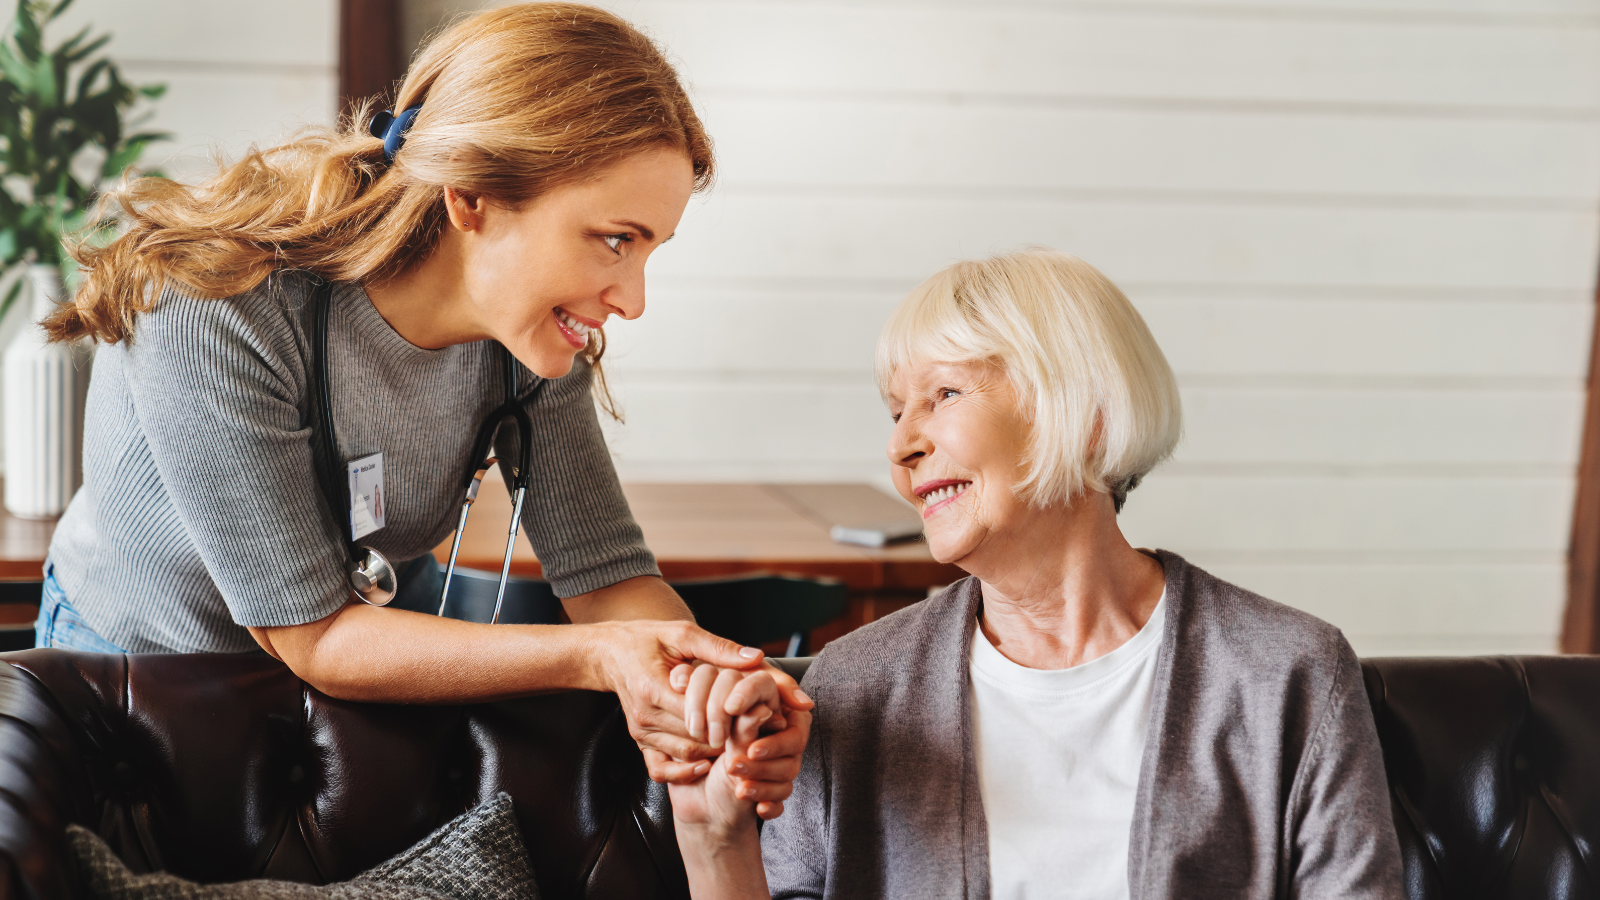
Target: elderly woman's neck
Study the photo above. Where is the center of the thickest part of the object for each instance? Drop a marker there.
(1060, 597)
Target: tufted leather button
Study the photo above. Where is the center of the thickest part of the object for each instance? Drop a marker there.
(122, 774)
(297, 773)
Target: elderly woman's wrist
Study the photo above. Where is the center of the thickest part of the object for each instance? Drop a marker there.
(727, 866)
(716, 837)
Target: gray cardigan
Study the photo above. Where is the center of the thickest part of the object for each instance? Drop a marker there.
(1262, 775)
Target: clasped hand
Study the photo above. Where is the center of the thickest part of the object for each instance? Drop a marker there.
(687, 694)
(732, 710)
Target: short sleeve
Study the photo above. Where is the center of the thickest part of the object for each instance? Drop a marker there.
(576, 516)
(216, 387)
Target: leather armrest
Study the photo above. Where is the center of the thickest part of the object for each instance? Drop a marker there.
(795, 666)
(45, 784)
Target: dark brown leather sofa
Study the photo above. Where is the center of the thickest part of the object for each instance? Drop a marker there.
(220, 768)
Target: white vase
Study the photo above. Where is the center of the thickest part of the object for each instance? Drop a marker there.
(45, 385)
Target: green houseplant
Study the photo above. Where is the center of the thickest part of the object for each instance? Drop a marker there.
(64, 130)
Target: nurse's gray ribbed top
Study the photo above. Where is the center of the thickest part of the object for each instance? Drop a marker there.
(200, 512)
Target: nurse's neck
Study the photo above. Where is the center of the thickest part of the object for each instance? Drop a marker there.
(428, 304)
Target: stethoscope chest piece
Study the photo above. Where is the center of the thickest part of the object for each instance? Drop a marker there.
(373, 578)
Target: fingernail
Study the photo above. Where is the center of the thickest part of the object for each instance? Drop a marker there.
(758, 753)
(749, 652)
(740, 767)
(801, 696)
(702, 767)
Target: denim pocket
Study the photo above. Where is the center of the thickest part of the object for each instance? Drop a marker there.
(61, 626)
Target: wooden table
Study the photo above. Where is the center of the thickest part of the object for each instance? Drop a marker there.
(696, 531)
(711, 530)
(23, 543)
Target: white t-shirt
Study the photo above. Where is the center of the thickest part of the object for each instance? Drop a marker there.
(1058, 755)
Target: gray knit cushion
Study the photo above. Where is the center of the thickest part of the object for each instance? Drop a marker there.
(477, 856)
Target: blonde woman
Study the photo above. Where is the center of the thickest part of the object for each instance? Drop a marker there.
(1078, 719)
(535, 158)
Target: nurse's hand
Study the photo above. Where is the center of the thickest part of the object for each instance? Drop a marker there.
(636, 659)
(773, 761)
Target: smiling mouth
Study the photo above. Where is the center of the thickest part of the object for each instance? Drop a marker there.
(940, 493)
(576, 332)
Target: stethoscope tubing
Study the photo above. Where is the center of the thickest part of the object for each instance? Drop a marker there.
(371, 574)
(505, 564)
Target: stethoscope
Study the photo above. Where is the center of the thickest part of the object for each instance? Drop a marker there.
(371, 574)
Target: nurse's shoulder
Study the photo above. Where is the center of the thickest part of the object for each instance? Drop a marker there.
(262, 333)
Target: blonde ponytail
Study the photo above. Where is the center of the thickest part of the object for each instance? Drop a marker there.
(515, 101)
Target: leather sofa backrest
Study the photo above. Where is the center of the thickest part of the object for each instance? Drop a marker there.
(222, 767)
(226, 767)
(1494, 773)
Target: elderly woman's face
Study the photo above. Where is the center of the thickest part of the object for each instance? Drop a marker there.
(957, 450)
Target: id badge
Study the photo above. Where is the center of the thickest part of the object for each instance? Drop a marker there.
(366, 494)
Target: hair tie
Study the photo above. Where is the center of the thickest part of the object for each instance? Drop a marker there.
(391, 129)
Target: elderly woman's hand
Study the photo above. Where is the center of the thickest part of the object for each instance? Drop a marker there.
(715, 699)
(732, 709)
(636, 659)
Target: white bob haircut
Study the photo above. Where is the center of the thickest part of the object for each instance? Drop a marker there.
(1092, 383)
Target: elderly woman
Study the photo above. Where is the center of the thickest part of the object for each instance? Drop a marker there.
(1078, 718)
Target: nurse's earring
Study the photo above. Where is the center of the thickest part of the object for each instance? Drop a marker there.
(373, 578)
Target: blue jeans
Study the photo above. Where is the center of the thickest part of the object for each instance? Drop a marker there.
(61, 626)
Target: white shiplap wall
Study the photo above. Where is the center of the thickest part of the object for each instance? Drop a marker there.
(236, 73)
(1365, 233)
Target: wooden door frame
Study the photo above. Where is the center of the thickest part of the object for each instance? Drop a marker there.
(1580, 627)
(371, 60)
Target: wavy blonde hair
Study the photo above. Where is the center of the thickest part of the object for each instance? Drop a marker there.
(515, 101)
(1102, 401)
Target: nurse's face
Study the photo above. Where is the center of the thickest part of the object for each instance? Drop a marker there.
(541, 277)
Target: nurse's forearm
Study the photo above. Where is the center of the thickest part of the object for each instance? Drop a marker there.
(367, 653)
(645, 597)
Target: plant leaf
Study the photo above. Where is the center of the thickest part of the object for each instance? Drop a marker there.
(123, 158)
(16, 70)
(26, 31)
(44, 85)
(86, 80)
(73, 57)
(72, 42)
(45, 125)
(11, 297)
